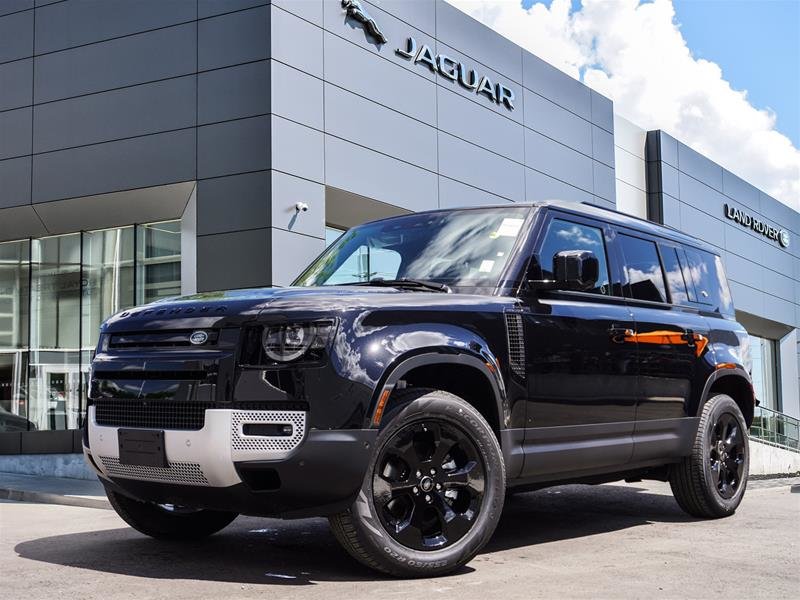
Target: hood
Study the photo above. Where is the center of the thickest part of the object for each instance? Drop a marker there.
(232, 308)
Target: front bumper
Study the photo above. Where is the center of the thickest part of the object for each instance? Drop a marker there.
(310, 473)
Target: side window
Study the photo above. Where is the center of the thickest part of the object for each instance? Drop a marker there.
(672, 269)
(709, 279)
(565, 235)
(644, 278)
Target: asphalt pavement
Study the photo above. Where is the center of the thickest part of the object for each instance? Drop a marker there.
(609, 541)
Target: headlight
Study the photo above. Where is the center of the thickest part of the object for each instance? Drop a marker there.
(285, 343)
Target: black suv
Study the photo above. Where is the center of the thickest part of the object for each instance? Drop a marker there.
(419, 370)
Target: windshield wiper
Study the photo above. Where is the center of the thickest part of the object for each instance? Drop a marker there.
(405, 282)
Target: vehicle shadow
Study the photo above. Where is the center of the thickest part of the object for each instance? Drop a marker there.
(303, 552)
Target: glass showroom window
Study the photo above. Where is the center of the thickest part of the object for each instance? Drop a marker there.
(764, 353)
(54, 294)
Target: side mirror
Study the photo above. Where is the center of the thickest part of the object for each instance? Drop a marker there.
(573, 270)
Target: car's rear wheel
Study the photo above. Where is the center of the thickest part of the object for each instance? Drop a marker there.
(168, 521)
(433, 492)
(711, 482)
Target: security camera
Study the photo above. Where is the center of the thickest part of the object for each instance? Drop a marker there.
(301, 207)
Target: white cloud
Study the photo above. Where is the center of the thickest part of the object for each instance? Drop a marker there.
(635, 54)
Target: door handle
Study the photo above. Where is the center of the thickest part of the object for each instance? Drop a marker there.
(620, 335)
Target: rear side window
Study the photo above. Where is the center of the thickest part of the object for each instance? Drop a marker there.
(710, 283)
(565, 235)
(674, 274)
(644, 279)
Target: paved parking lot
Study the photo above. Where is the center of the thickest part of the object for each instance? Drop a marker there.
(618, 540)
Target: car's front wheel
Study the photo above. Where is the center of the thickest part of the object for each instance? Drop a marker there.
(433, 493)
(710, 483)
(167, 521)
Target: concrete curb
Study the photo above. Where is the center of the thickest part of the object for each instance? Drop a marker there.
(47, 498)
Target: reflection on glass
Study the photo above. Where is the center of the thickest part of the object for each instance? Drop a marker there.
(158, 256)
(468, 248)
(564, 236)
(60, 289)
(332, 234)
(764, 373)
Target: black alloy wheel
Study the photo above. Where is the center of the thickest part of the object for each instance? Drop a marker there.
(726, 453)
(428, 485)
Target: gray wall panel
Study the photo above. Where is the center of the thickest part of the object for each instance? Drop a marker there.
(302, 248)
(368, 75)
(233, 92)
(478, 41)
(233, 203)
(121, 165)
(454, 194)
(670, 181)
(16, 84)
(469, 120)
(11, 6)
(604, 182)
(547, 81)
(310, 10)
(78, 22)
(233, 147)
(481, 168)
(602, 111)
(369, 124)
(699, 167)
(746, 299)
(781, 215)
(296, 42)
(15, 132)
(287, 191)
(539, 186)
(669, 149)
(16, 36)
(739, 241)
(557, 160)
(421, 15)
(233, 38)
(700, 225)
(562, 125)
(738, 189)
(296, 95)
(672, 211)
(297, 150)
(367, 173)
(15, 182)
(603, 146)
(127, 112)
(209, 8)
(233, 260)
(126, 61)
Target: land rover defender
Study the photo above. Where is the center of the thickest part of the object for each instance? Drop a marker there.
(418, 371)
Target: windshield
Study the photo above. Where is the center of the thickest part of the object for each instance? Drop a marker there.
(468, 248)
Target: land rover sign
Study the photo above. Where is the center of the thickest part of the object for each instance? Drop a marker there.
(746, 220)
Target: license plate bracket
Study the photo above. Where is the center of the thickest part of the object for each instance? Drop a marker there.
(142, 448)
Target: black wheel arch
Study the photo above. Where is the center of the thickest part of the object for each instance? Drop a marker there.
(430, 368)
(736, 383)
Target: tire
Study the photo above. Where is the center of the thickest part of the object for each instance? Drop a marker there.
(711, 482)
(165, 522)
(395, 532)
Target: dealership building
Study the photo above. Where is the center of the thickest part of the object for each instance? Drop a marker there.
(154, 148)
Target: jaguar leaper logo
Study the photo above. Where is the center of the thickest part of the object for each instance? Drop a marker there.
(357, 12)
(198, 338)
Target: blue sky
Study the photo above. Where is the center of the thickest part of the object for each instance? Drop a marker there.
(755, 42)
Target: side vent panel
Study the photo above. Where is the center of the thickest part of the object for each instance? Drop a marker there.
(516, 343)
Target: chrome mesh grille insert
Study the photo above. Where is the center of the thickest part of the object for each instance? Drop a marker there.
(516, 343)
(152, 414)
(278, 444)
(177, 472)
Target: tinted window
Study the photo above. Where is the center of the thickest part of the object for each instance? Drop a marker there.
(644, 279)
(564, 235)
(674, 273)
(710, 283)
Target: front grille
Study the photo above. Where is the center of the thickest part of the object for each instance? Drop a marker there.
(152, 414)
(516, 343)
(177, 472)
(161, 339)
